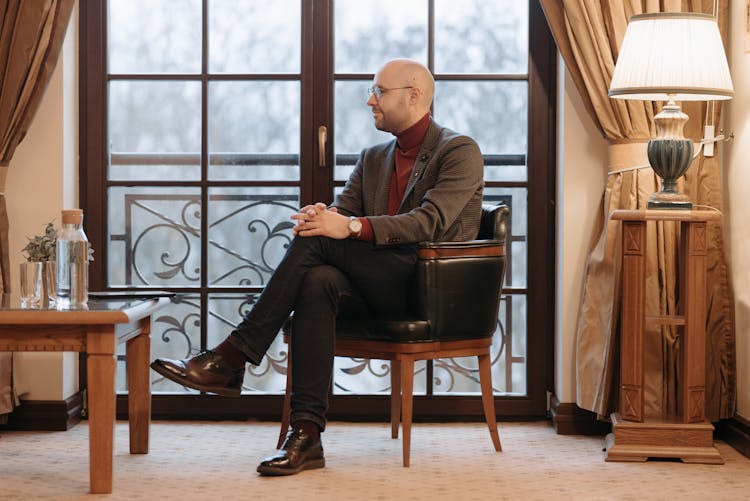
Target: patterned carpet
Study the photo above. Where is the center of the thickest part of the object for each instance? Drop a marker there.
(217, 460)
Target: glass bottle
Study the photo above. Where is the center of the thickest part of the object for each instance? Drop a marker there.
(72, 262)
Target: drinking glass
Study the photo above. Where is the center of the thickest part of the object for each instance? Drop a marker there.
(50, 280)
(31, 284)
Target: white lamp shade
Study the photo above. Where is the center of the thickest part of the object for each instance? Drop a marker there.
(676, 55)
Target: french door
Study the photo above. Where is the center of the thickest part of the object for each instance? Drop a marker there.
(206, 123)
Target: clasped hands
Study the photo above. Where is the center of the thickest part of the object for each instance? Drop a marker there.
(320, 220)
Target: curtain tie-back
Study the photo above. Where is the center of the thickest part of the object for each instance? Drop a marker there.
(3, 175)
(623, 157)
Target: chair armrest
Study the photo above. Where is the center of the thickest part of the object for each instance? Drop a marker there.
(471, 248)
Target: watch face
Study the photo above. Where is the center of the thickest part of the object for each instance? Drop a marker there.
(355, 226)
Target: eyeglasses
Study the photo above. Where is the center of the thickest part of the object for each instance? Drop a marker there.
(378, 91)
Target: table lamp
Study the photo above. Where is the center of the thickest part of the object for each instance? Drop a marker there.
(671, 56)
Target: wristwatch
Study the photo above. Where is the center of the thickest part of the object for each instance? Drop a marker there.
(355, 226)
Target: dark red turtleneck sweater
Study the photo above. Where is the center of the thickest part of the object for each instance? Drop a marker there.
(408, 143)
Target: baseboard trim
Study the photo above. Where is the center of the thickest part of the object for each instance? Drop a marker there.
(735, 432)
(569, 419)
(46, 415)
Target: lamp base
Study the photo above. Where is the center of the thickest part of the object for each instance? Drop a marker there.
(670, 154)
(669, 200)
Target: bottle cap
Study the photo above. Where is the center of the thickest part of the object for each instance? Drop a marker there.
(72, 216)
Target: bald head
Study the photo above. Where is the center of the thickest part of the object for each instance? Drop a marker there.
(410, 73)
(408, 89)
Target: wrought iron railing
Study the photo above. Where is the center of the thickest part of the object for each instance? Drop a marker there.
(161, 245)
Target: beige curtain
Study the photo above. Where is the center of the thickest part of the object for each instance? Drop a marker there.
(588, 34)
(31, 34)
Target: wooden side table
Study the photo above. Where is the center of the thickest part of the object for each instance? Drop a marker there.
(96, 332)
(687, 436)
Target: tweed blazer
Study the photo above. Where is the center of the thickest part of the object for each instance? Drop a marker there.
(442, 200)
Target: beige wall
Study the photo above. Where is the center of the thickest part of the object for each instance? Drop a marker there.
(581, 177)
(42, 180)
(737, 182)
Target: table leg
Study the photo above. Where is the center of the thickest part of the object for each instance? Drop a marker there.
(633, 319)
(100, 364)
(139, 389)
(692, 384)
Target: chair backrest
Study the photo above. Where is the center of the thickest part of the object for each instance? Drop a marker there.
(494, 222)
(455, 291)
(459, 283)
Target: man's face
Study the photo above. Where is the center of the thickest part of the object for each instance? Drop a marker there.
(391, 110)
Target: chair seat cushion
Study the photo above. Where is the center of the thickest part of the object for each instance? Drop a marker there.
(401, 330)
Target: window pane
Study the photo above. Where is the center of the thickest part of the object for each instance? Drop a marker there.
(370, 32)
(154, 130)
(254, 130)
(516, 251)
(507, 354)
(154, 36)
(355, 127)
(154, 237)
(476, 36)
(249, 232)
(254, 36)
(493, 113)
(505, 168)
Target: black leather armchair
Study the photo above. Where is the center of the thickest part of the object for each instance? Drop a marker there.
(457, 298)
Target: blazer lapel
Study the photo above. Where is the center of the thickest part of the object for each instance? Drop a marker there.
(389, 164)
(423, 158)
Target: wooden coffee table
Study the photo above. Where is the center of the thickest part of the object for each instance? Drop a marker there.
(95, 332)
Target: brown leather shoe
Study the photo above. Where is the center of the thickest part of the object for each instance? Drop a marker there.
(207, 371)
(299, 452)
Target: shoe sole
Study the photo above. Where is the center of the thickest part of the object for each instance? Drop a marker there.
(270, 471)
(219, 390)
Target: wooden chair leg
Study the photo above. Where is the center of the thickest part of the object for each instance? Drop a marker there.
(488, 399)
(395, 397)
(287, 407)
(407, 401)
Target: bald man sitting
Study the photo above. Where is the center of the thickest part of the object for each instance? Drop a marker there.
(356, 255)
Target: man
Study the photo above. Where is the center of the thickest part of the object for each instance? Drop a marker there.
(352, 257)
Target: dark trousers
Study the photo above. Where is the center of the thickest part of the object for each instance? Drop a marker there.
(319, 279)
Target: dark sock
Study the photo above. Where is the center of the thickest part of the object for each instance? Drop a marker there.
(234, 357)
(308, 427)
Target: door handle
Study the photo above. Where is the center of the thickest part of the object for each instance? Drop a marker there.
(322, 138)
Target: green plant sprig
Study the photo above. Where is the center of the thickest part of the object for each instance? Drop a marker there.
(42, 247)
